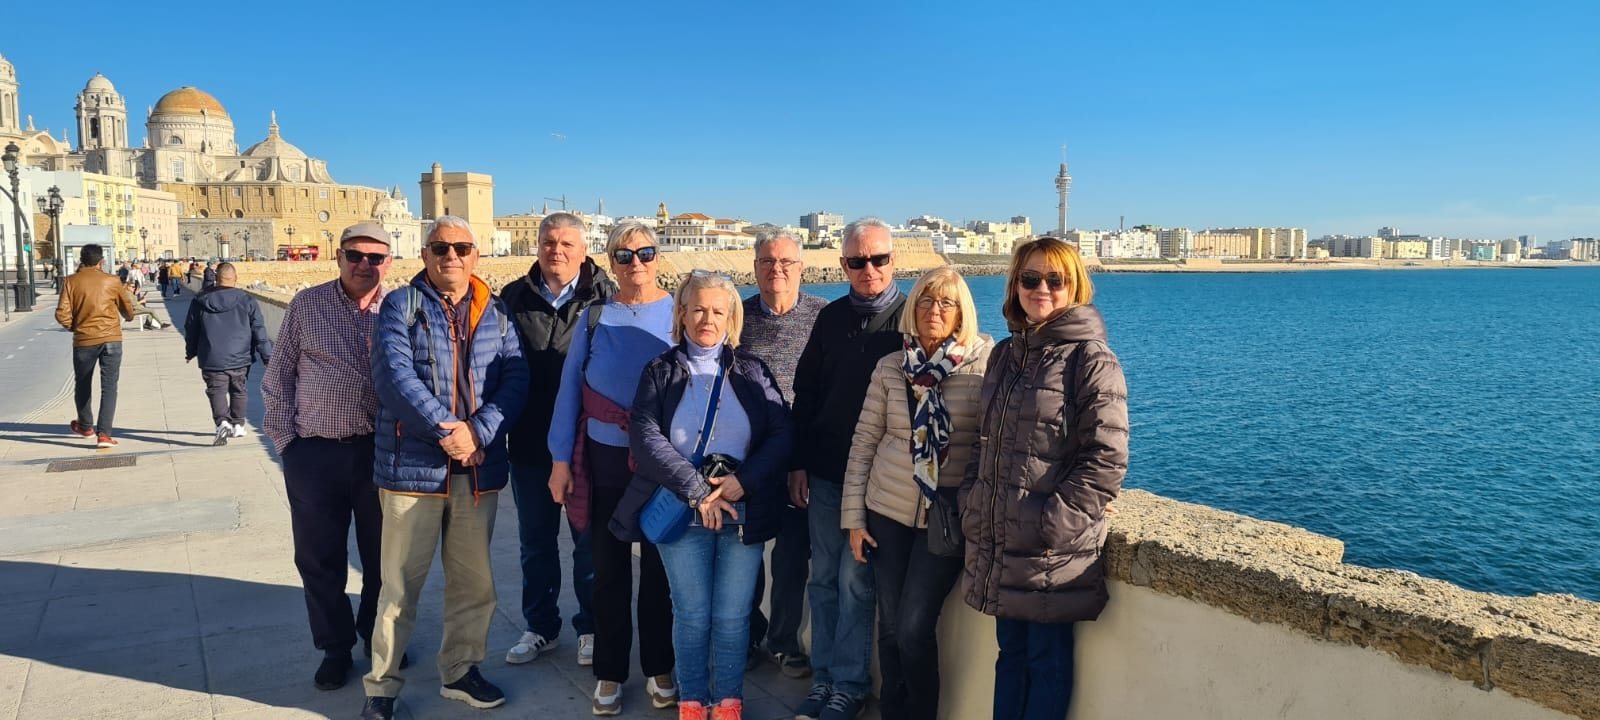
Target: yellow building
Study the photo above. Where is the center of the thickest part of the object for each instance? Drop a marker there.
(467, 195)
(1406, 249)
(524, 231)
(110, 201)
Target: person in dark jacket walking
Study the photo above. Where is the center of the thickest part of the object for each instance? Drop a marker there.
(1050, 457)
(545, 306)
(448, 370)
(224, 329)
(208, 278)
(830, 383)
(164, 279)
(712, 567)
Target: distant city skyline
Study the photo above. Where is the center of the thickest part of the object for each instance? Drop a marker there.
(1340, 119)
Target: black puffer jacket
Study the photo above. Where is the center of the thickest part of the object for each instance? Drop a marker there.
(546, 334)
(1052, 451)
(225, 330)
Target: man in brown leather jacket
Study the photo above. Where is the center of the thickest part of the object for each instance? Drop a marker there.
(93, 305)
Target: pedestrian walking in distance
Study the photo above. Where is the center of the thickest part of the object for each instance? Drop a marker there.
(224, 330)
(93, 305)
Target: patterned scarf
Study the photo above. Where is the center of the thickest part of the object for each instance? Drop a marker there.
(930, 419)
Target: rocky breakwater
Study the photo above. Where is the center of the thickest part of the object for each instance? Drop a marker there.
(1544, 648)
(281, 280)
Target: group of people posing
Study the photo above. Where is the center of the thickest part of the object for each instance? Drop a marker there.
(886, 448)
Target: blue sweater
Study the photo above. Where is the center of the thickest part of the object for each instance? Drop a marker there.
(730, 432)
(627, 338)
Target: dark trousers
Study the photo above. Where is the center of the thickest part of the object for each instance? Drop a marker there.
(1033, 676)
(109, 357)
(912, 586)
(613, 581)
(329, 482)
(791, 568)
(225, 389)
(539, 526)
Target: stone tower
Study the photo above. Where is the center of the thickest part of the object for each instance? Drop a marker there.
(102, 116)
(433, 193)
(10, 120)
(661, 218)
(1063, 184)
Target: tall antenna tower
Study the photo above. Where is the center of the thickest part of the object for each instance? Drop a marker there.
(1063, 184)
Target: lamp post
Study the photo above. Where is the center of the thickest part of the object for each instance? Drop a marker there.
(292, 251)
(186, 237)
(52, 205)
(327, 242)
(10, 158)
(144, 242)
(247, 246)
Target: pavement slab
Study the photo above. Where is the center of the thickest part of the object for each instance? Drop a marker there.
(168, 590)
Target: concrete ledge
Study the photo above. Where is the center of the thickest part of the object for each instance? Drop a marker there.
(1544, 648)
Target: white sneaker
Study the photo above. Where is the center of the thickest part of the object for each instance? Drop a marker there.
(586, 649)
(662, 690)
(529, 648)
(224, 431)
(239, 430)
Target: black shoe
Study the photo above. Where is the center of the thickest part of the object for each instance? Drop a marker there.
(753, 658)
(378, 708)
(473, 690)
(405, 658)
(795, 665)
(333, 672)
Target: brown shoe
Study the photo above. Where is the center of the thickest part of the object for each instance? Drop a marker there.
(663, 693)
(607, 698)
(81, 429)
(102, 440)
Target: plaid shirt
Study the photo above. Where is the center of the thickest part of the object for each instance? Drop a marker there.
(319, 383)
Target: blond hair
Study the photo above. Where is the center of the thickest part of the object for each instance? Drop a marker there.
(1063, 257)
(697, 281)
(941, 282)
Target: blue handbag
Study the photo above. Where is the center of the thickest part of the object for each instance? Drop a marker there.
(666, 516)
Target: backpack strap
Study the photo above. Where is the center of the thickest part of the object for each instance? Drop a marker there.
(593, 322)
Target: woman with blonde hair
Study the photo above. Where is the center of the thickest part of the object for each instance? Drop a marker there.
(912, 444)
(1052, 452)
(712, 437)
(590, 469)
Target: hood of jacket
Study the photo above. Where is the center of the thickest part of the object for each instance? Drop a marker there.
(482, 296)
(1076, 324)
(590, 278)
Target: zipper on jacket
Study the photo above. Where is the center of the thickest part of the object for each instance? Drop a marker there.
(994, 496)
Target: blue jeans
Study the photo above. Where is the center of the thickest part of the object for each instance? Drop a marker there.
(711, 575)
(538, 525)
(842, 602)
(1033, 676)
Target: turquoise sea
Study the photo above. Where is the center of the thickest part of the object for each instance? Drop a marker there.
(1443, 422)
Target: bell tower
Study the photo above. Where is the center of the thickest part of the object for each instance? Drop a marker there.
(102, 116)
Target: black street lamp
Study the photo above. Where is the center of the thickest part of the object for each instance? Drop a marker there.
(247, 246)
(186, 238)
(52, 205)
(292, 251)
(10, 158)
(144, 240)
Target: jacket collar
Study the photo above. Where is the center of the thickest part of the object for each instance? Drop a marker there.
(592, 281)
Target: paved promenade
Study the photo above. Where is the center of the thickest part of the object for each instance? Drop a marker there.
(165, 587)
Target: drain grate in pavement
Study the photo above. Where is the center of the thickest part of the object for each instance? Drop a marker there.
(114, 461)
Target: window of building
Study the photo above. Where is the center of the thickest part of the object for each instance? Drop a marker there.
(174, 140)
(322, 193)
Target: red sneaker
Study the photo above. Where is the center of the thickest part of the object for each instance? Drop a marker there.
(81, 429)
(102, 440)
(728, 709)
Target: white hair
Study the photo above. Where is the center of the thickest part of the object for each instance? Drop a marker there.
(769, 237)
(623, 230)
(854, 229)
(456, 222)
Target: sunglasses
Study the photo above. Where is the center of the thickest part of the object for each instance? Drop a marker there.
(440, 249)
(860, 261)
(624, 256)
(354, 257)
(1030, 280)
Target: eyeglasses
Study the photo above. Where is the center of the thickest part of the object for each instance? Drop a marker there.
(770, 263)
(354, 257)
(624, 256)
(944, 305)
(1029, 280)
(860, 261)
(440, 249)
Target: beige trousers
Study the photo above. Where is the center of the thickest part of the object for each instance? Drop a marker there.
(413, 526)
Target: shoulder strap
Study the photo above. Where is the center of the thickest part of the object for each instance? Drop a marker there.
(593, 322)
(711, 418)
(413, 305)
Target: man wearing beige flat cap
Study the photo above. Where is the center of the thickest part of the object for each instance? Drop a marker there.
(320, 410)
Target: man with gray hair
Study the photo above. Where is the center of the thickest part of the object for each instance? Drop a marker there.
(850, 336)
(777, 321)
(448, 371)
(225, 330)
(545, 306)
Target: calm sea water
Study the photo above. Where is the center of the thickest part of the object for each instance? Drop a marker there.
(1443, 422)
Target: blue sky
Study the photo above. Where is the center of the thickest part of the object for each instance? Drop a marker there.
(1466, 118)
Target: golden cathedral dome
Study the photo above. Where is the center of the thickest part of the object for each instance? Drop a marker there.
(189, 101)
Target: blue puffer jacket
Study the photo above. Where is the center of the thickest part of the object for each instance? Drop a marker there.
(414, 372)
(763, 474)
